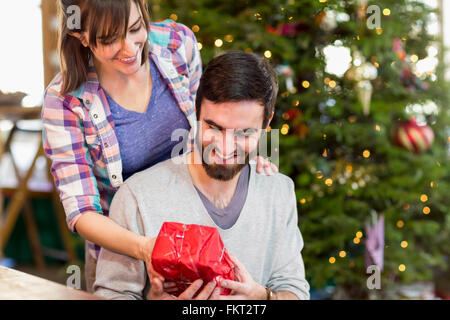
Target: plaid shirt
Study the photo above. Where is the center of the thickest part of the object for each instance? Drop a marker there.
(79, 136)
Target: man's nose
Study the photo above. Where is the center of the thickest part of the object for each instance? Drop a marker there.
(228, 142)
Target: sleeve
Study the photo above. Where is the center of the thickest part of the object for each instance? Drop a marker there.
(288, 270)
(193, 58)
(71, 165)
(121, 277)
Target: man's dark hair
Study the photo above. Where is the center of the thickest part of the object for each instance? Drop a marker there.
(239, 76)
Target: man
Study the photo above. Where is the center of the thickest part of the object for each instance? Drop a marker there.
(256, 215)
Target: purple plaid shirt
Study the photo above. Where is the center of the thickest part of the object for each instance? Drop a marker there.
(79, 136)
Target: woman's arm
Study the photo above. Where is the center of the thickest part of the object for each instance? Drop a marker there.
(72, 168)
(104, 232)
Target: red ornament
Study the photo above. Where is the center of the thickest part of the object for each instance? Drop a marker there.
(184, 253)
(413, 137)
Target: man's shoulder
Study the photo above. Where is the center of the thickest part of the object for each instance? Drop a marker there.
(157, 175)
(278, 182)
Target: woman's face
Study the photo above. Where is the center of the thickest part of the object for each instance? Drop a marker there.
(124, 55)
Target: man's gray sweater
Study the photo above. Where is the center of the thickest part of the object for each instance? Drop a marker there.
(265, 238)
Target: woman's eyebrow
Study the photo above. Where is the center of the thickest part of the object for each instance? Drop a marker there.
(139, 19)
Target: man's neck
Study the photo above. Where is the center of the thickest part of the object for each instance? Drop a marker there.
(218, 192)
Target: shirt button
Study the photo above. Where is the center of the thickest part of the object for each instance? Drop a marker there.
(114, 177)
(88, 101)
(95, 116)
(106, 145)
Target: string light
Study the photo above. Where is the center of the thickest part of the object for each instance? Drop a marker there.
(359, 234)
(342, 254)
(423, 198)
(377, 127)
(305, 84)
(401, 267)
(284, 129)
(329, 182)
(366, 154)
(199, 45)
(229, 38)
(174, 17)
(267, 54)
(386, 12)
(303, 201)
(196, 28)
(404, 244)
(319, 174)
(400, 224)
(356, 240)
(414, 58)
(218, 43)
(332, 84)
(379, 31)
(332, 260)
(426, 210)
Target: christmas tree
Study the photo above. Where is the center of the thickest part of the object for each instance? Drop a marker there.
(352, 74)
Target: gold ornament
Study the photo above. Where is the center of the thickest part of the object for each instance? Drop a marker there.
(361, 72)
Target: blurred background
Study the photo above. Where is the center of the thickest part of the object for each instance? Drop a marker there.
(363, 112)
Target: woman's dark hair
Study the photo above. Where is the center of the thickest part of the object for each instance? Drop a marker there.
(239, 76)
(107, 20)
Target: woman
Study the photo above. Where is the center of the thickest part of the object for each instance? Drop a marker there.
(122, 90)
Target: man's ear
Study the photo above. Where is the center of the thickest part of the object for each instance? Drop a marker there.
(270, 120)
(80, 37)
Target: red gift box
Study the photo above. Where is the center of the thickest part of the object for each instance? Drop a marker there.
(184, 253)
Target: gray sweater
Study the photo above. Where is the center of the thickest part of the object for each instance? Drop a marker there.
(265, 238)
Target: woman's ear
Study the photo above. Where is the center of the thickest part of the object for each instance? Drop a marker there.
(80, 37)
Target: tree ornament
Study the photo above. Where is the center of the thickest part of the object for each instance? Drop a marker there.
(374, 241)
(412, 137)
(286, 71)
(327, 20)
(361, 72)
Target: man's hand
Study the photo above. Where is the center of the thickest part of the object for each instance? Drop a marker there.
(162, 292)
(244, 289)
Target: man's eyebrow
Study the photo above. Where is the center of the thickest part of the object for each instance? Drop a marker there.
(212, 123)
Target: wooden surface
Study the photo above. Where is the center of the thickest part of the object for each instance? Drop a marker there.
(16, 285)
(19, 113)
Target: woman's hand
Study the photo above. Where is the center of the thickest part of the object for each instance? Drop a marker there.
(146, 251)
(264, 164)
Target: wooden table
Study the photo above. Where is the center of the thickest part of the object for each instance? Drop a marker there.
(16, 285)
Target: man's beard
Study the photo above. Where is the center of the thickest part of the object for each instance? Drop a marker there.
(223, 172)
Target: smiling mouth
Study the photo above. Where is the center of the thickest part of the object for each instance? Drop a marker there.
(129, 60)
(222, 159)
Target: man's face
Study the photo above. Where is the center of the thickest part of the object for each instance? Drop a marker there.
(230, 132)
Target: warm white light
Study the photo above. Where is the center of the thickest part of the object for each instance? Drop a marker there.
(338, 59)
